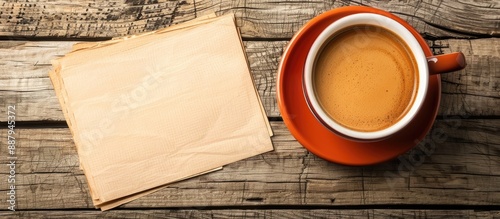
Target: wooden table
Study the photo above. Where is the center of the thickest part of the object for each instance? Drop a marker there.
(459, 176)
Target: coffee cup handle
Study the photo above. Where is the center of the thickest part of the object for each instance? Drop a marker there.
(445, 63)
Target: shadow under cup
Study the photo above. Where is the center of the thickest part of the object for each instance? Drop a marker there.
(365, 77)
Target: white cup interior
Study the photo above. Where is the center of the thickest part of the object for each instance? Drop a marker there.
(384, 22)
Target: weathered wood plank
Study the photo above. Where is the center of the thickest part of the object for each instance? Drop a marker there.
(24, 80)
(256, 214)
(476, 89)
(281, 19)
(463, 168)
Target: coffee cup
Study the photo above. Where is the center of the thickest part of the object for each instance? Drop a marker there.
(366, 76)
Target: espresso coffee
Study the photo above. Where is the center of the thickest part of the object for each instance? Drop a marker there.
(365, 78)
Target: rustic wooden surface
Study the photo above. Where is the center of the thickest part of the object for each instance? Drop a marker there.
(460, 178)
(256, 214)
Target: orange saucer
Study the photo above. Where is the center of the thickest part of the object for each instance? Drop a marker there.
(318, 139)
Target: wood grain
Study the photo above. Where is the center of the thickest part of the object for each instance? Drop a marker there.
(261, 19)
(463, 169)
(460, 174)
(256, 214)
(24, 66)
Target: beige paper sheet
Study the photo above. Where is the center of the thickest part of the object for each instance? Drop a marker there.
(87, 45)
(218, 125)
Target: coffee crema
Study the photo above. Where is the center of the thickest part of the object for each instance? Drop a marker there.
(365, 78)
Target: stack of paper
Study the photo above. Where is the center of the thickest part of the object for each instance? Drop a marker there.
(149, 110)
